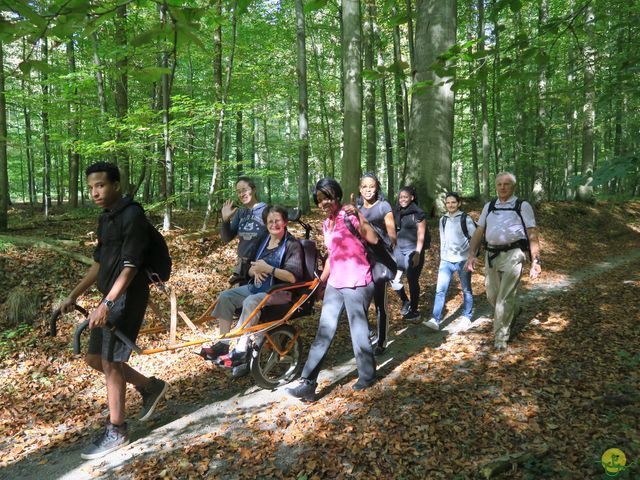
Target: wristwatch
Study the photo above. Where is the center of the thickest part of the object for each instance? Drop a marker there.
(537, 260)
(108, 303)
(273, 271)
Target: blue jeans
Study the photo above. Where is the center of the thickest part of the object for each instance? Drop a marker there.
(445, 273)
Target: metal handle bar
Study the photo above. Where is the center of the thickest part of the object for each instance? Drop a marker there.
(53, 321)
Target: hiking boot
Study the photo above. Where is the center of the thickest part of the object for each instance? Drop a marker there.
(432, 324)
(214, 351)
(412, 315)
(305, 391)
(113, 437)
(362, 384)
(373, 337)
(151, 395)
(406, 308)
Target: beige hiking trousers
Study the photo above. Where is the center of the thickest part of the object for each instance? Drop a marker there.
(501, 281)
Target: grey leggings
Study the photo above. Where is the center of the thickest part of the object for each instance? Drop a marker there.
(356, 302)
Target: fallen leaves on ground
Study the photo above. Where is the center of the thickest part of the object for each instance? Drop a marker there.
(569, 382)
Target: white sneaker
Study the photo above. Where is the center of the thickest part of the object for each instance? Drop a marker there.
(432, 324)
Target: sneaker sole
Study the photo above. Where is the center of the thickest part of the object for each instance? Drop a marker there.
(431, 327)
(303, 398)
(93, 456)
(153, 407)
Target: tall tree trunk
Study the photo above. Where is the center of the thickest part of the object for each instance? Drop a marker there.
(432, 109)
(46, 195)
(411, 41)
(585, 191)
(253, 155)
(26, 88)
(369, 91)
(102, 98)
(239, 166)
(327, 170)
(402, 111)
(58, 162)
(570, 116)
(483, 103)
(217, 160)
(388, 141)
(166, 84)
(473, 105)
(496, 100)
(521, 124)
(538, 192)
(122, 94)
(619, 101)
(289, 166)
(4, 164)
(191, 138)
(352, 126)
(267, 157)
(74, 156)
(303, 111)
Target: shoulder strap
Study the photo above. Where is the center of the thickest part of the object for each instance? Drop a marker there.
(354, 231)
(492, 205)
(443, 222)
(279, 252)
(463, 224)
(518, 205)
(517, 209)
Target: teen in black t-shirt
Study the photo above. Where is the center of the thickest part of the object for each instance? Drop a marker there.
(123, 237)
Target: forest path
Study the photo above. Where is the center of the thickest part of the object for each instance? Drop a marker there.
(236, 417)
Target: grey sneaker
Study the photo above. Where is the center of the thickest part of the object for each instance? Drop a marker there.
(432, 324)
(111, 439)
(406, 308)
(151, 395)
(305, 391)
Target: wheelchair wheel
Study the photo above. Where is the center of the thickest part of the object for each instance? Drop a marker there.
(267, 368)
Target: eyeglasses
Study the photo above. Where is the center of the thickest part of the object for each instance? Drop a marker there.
(243, 191)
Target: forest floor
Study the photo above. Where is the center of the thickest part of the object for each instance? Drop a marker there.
(446, 405)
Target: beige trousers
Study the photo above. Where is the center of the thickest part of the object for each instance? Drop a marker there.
(501, 282)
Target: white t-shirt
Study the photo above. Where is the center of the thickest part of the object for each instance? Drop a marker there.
(505, 227)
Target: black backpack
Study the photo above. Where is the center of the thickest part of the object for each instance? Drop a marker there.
(463, 224)
(157, 260)
(157, 257)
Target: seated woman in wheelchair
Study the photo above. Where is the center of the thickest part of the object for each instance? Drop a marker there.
(280, 259)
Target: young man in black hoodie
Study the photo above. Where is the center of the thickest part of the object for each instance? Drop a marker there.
(123, 238)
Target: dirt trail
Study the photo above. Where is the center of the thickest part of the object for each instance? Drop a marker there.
(232, 413)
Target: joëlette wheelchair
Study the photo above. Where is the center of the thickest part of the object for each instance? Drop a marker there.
(275, 347)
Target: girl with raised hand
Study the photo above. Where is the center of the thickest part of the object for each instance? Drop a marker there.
(245, 222)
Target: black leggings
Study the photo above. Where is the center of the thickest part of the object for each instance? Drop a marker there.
(413, 277)
(380, 299)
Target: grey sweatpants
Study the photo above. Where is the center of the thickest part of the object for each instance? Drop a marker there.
(356, 302)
